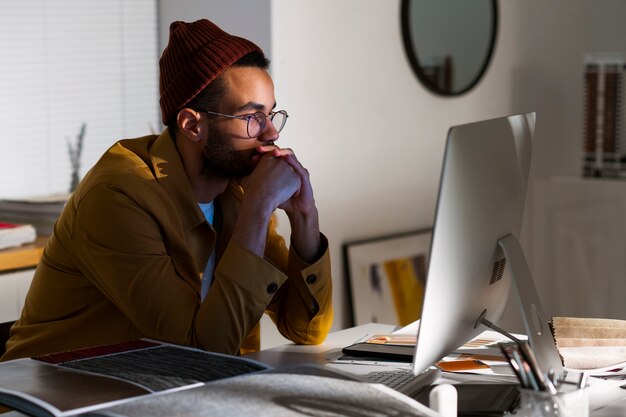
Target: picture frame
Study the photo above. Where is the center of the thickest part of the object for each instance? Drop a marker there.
(386, 277)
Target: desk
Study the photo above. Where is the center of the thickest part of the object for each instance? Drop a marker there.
(17, 266)
(605, 399)
(26, 256)
(291, 354)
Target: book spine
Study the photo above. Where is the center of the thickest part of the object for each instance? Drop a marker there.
(590, 165)
(604, 141)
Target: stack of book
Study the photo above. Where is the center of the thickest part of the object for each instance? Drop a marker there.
(40, 212)
(13, 235)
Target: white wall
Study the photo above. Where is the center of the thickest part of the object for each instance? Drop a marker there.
(369, 133)
(372, 136)
(249, 19)
(553, 38)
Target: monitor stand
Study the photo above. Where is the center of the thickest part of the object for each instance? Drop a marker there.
(533, 315)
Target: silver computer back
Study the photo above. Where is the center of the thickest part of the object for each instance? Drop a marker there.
(481, 200)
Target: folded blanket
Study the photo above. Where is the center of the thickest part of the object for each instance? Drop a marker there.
(589, 343)
(593, 357)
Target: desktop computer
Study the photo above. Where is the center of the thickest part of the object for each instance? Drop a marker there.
(475, 256)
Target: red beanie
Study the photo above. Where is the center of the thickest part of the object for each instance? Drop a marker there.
(196, 54)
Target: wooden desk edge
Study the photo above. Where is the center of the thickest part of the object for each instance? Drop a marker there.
(26, 256)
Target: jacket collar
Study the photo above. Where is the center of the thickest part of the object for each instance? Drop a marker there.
(170, 174)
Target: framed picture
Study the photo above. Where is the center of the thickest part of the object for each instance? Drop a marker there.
(386, 277)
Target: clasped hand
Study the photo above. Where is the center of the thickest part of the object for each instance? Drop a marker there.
(280, 181)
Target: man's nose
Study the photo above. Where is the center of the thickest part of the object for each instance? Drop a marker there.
(269, 134)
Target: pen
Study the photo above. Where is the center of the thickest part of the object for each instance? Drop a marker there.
(531, 360)
(527, 378)
(507, 350)
(550, 386)
(520, 372)
(531, 376)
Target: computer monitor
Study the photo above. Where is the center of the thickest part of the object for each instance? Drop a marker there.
(475, 255)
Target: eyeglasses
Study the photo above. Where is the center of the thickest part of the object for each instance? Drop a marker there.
(256, 122)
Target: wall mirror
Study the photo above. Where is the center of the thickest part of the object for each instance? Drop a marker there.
(449, 43)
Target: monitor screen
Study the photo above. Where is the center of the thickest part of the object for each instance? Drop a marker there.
(481, 200)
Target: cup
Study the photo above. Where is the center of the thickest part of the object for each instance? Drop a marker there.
(572, 403)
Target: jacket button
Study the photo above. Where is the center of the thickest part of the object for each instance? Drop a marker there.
(311, 279)
(272, 288)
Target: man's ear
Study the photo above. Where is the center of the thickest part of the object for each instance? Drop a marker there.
(188, 121)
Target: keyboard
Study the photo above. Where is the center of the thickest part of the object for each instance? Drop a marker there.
(403, 380)
(165, 367)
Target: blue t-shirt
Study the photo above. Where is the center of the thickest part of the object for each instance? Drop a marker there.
(209, 213)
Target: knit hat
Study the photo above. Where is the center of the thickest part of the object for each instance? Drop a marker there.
(196, 54)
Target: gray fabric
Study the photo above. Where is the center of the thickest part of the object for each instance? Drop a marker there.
(272, 395)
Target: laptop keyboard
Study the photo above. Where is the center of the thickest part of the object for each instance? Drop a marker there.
(393, 379)
(403, 380)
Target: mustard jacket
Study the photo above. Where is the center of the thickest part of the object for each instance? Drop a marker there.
(126, 258)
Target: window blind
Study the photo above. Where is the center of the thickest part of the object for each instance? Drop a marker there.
(65, 63)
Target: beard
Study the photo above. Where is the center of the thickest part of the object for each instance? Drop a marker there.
(221, 160)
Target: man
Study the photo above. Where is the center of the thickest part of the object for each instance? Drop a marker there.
(173, 237)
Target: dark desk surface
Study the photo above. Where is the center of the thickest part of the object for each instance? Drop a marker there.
(292, 354)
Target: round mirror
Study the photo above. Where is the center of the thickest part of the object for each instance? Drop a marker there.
(449, 43)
